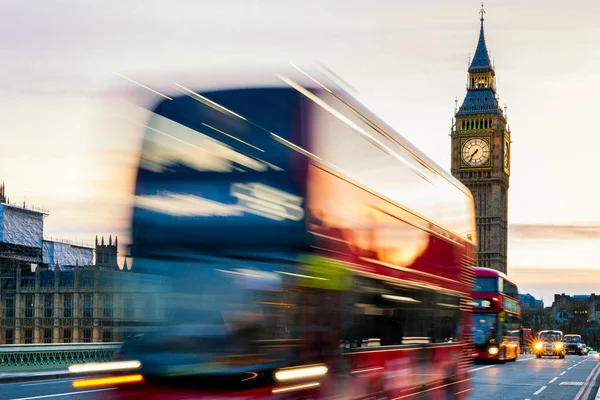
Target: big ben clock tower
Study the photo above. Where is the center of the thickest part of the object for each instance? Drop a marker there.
(481, 156)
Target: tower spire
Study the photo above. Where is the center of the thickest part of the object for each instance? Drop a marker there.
(481, 58)
(482, 13)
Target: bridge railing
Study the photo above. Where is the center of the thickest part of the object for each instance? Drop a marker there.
(36, 357)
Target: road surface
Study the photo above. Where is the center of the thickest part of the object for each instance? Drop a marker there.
(574, 378)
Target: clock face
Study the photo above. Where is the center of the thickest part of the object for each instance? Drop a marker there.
(476, 152)
(506, 155)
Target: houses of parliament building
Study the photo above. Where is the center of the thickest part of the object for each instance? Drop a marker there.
(54, 291)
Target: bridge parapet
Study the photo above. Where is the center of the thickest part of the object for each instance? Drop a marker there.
(37, 357)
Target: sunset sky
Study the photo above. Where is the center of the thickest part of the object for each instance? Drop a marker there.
(407, 61)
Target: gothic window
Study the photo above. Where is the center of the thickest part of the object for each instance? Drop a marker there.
(491, 123)
(67, 306)
(485, 99)
(472, 108)
(470, 99)
(87, 335)
(107, 335)
(48, 306)
(29, 305)
(28, 335)
(478, 99)
(67, 335)
(87, 306)
(9, 336)
(489, 107)
(47, 335)
(482, 107)
(108, 306)
(9, 308)
(486, 124)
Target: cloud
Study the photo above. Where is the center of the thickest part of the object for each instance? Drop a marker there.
(555, 232)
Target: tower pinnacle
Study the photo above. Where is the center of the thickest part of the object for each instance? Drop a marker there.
(482, 13)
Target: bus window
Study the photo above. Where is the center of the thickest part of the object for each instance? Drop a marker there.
(383, 315)
(510, 290)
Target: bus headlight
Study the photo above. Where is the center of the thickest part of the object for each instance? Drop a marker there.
(493, 351)
(558, 346)
(579, 346)
(539, 346)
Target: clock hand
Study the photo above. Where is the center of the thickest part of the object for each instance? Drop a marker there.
(475, 152)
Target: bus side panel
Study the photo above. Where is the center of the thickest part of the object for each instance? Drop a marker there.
(408, 373)
(374, 229)
(376, 236)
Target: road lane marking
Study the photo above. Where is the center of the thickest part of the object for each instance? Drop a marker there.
(63, 394)
(564, 372)
(587, 380)
(590, 384)
(570, 368)
(553, 380)
(480, 368)
(540, 390)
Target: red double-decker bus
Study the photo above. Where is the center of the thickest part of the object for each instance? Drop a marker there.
(496, 316)
(303, 248)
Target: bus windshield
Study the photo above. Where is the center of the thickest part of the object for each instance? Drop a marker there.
(486, 285)
(484, 327)
(211, 177)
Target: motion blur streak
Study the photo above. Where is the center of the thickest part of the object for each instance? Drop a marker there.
(107, 366)
(231, 136)
(113, 380)
(289, 374)
(144, 86)
(208, 102)
(297, 387)
(311, 78)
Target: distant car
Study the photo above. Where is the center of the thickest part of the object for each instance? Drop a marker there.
(584, 349)
(593, 353)
(550, 343)
(573, 344)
